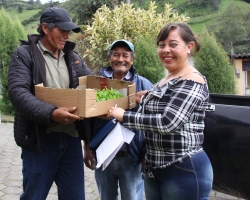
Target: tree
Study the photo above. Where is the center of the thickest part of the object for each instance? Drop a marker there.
(204, 3)
(125, 22)
(197, 8)
(86, 9)
(213, 62)
(10, 33)
(83, 11)
(232, 27)
(20, 8)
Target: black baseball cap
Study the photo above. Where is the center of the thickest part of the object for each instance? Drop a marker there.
(60, 17)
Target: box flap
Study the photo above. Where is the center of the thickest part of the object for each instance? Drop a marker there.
(61, 97)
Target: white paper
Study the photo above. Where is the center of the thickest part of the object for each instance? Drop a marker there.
(113, 140)
(128, 134)
(110, 158)
(112, 144)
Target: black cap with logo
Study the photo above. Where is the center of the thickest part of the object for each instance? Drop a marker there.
(60, 18)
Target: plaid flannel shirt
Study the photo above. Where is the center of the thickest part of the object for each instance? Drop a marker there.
(172, 117)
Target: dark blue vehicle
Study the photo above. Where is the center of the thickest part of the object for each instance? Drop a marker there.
(227, 143)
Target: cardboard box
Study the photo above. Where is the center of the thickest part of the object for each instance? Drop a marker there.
(85, 99)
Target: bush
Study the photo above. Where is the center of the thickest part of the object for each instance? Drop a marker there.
(10, 33)
(147, 62)
(125, 22)
(213, 62)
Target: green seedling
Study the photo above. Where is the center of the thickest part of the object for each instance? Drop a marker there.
(108, 94)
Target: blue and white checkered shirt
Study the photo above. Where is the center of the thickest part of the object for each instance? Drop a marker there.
(172, 117)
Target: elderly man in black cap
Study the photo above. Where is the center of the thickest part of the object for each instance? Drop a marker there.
(50, 136)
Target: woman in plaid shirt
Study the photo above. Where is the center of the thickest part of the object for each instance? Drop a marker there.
(172, 115)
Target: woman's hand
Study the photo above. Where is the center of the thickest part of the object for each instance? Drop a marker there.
(139, 95)
(116, 113)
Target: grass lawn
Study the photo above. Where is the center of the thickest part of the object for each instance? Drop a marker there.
(26, 14)
(197, 28)
(31, 27)
(244, 6)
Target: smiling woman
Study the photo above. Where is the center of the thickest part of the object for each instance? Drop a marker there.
(171, 114)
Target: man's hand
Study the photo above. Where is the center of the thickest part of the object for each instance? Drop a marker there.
(65, 115)
(89, 157)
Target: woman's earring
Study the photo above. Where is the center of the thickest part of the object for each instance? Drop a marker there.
(188, 52)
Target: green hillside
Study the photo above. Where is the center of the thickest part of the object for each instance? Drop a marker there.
(197, 23)
(25, 15)
(198, 17)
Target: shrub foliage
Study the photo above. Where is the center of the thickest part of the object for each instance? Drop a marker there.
(213, 62)
(11, 32)
(147, 62)
(125, 22)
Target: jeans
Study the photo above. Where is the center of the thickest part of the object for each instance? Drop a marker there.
(189, 180)
(119, 171)
(61, 161)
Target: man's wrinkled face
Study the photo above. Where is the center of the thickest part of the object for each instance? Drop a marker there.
(121, 60)
(55, 39)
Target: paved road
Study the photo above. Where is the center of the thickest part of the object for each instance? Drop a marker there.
(11, 168)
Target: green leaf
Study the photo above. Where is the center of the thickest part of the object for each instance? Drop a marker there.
(108, 94)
